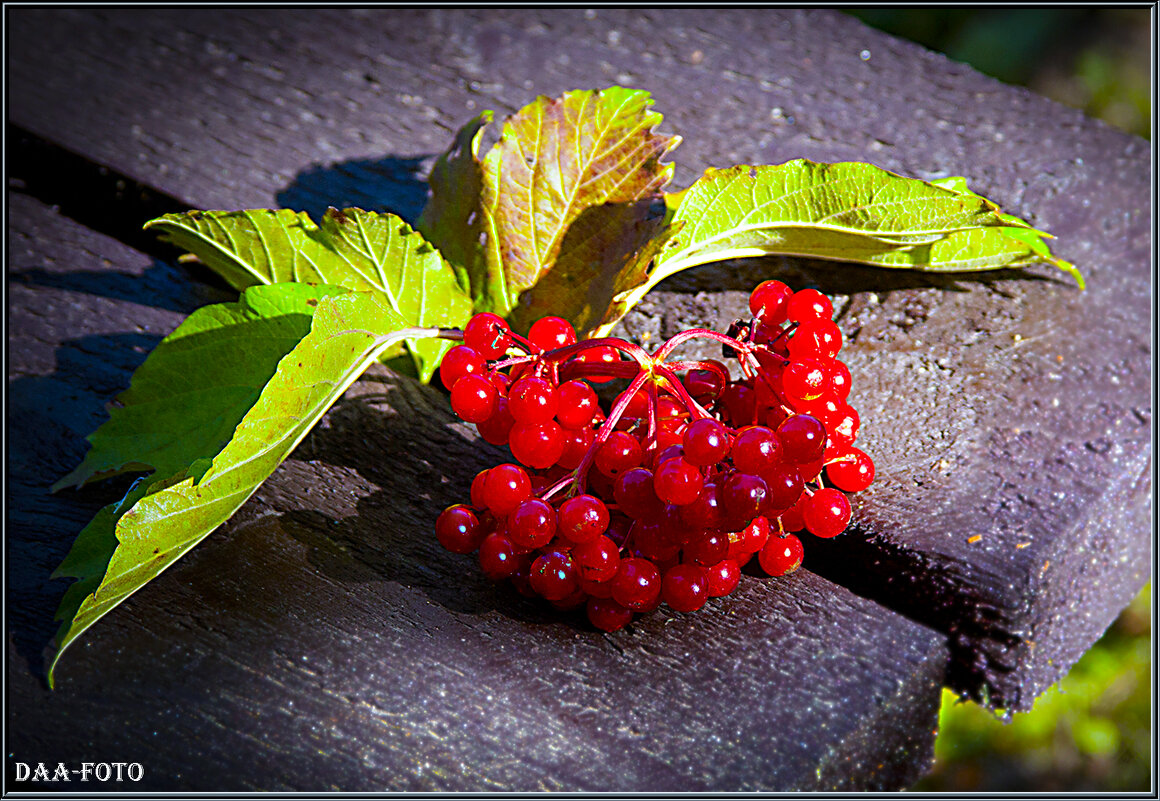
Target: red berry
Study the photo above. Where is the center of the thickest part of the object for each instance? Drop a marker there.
(648, 541)
(751, 538)
(804, 380)
(597, 559)
(532, 524)
(458, 530)
(533, 400)
(791, 519)
(538, 445)
(576, 445)
(473, 398)
(785, 486)
(707, 511)
(596, 356)
(583, 518)
(743, 496)
(607, 615)
(854, 473)
(707, 549)
(619, 452)
(781, 555)
(685, 587)
(809, 304)
(803, 438)
(577, 404)
(458, 362)
(553, 575)
(838, 375)
(813, 339)
(550, 333)
(723, 578)
(740, 404)
(505, 487)
(706, 442)
(487, 334)
(827, 513)
(497, 557)
(769, 300)
(756, 449)
(477, 497)
(497, 428)
(677, 482)
(637, 584)
(705, 385)
(635, 494)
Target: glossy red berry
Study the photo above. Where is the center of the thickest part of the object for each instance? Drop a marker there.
(497, 428)
(488, 334)
(505, 487)
(804, 380)
(618, 453)
(635, 494)
(677, 482)
(815, 339)
(458, 530)
(706, 442)
(685, 587)
(826, 513)
(608, 615)
(576, 445)
(809, 304)
(539, 445)
(553, 575)
(707, 549)
(637, 584)
(785, 486)
(458, 362)
(582, 518)
(768, 302)
(781, 555)
(598, 559)
(854, 473)
(533, 400)
(756, 449)
(474, 398)
(803, 438)
(723, 578)
(532, 524)
(705, 385)
(477, 483)
(497, 557)
(838, 376)
(577, 404)
(743, 496)
(707, 511)
(550, 333)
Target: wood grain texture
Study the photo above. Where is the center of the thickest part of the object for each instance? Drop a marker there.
(323, 640)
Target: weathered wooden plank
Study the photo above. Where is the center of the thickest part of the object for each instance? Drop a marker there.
(959, 414)
(322, 640)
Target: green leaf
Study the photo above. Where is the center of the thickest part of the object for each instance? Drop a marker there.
(186, 399)
(352, 248)
(554, 159)
(120, 551)
(451, 220)
(848, 211)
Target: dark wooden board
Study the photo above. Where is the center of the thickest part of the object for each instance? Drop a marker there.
(299, 107)
(322, 640)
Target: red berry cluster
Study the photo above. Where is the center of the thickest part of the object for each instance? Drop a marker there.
(665, 494)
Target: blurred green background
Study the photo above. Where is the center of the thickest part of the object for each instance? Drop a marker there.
(1092, 732)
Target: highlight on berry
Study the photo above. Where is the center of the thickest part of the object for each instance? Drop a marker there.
(663, 494)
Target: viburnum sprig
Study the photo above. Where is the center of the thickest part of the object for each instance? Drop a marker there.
(688, 474)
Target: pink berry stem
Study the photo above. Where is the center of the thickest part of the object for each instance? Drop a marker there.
(598, 370)
(694, 408)
(684, 336)
(634, 352)
(607, 427)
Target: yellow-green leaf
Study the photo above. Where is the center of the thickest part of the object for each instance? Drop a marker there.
(554, 159)
(352, 248)
(129, 543)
